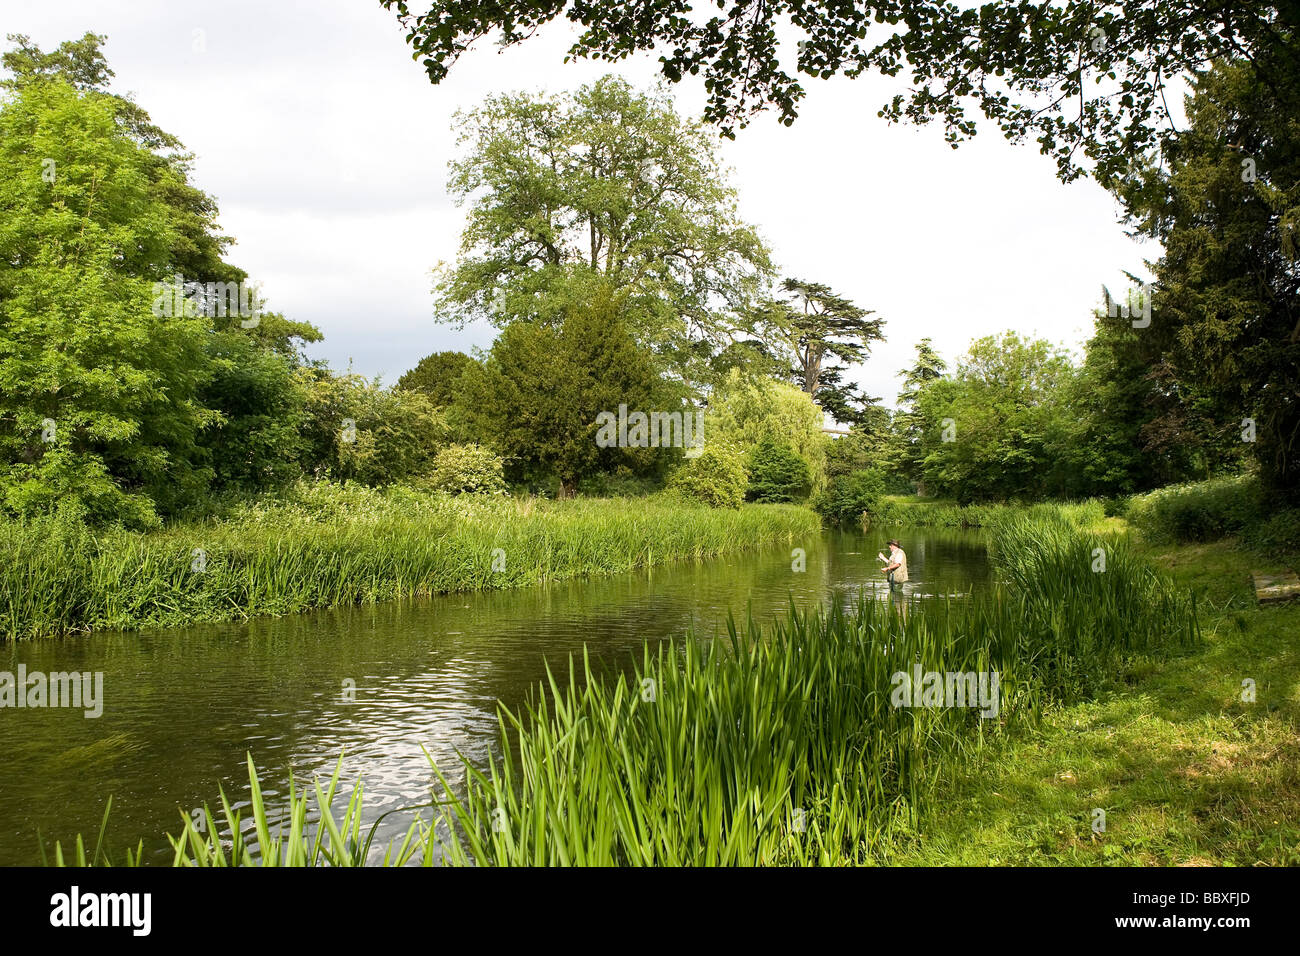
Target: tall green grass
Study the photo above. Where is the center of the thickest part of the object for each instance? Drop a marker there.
(309, 837)
(1267, 522)
(1087, 599)
(773, 748)
(326, 545)
(939, 514)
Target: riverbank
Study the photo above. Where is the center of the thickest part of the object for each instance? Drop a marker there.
(1187, 771)
(917, 512)
(1120, 733)
(324, 545)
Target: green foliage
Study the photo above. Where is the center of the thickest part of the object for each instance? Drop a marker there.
(1277, 533)
(1036, 71)
(777, 474)
(468, 470)
(1006, 413)
(910, 423)
(1119, 438)
(258, 442)
(112, 410)
(537, 396)
(356, 430)
(309, 837)
(745, 411)
(1203, 511)
(323, 544)
(98, 397)
(436, 375)
(921, 513)
(622, 483)
(849, 499)
(1225, 208)
(717, 476)
(603, 188)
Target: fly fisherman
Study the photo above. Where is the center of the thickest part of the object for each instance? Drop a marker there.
(896, 567)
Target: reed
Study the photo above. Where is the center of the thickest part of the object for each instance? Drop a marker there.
(325, 545)
(740, 740)
(1088, 600)
(921, 513)
(769, 748)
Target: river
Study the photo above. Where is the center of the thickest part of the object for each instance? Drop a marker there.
(380, 684)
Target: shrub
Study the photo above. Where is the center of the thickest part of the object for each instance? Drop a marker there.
(848, 497)
(717, 476)
(1278, 534)
(468, 470)
(1116, 507)
(744, 411)
(1203, 511)
(622, 483)
(777, 474)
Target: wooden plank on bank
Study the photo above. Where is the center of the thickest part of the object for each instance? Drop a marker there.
(1275, 587)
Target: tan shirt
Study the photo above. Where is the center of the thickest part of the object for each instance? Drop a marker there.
(900, 573)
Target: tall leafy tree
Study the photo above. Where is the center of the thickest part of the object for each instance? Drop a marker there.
(997, 428)
(124, 184)
(99, 410)
(909, 423)
(196, 247)
(536, 397)
(1225, 331)
(819, 335)
(607, 186)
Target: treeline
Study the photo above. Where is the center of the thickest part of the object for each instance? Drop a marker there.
(602, 241)
(127, 393)
(142, 382)
(1189, 377)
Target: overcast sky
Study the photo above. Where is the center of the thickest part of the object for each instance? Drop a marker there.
(327, 147)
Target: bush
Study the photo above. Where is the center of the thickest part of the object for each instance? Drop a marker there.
(1279, 534)
(1204, 511)
(1116, 507)
(717, 476)
(622, 483)
(848, 497)
(777, 474)
(468, 470)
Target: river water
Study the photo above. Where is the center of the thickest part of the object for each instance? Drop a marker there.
(380, 684)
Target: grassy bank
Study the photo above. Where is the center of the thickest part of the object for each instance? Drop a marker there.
(325, 545)
(909, 510)
(1187, 771)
